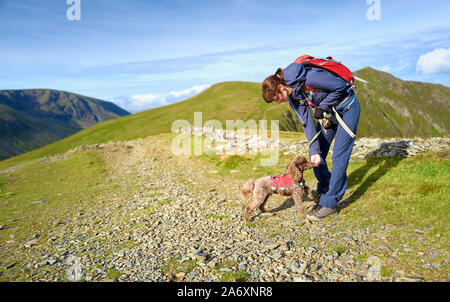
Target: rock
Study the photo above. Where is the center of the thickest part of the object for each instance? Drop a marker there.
(201, 256)
(302, 279)
(65, 253)
(38, 201)
(410, 279)
(272, 246)
(268, 214)
(302, 267)
(333, 277)
(180, 275)
(120, 254)
(51, 261)
(364, 147)
(277, 256)
(30, 243)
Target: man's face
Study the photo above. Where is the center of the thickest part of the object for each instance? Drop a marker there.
(283, 94)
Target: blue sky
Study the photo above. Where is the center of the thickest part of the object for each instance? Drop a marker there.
(144, 54)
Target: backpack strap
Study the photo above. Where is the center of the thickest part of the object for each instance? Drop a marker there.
(343, 124)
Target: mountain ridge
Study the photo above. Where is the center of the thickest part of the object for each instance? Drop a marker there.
(31, 118)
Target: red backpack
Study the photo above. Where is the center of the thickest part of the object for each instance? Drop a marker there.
(329, 64)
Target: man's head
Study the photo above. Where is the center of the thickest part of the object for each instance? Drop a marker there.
(274, 88)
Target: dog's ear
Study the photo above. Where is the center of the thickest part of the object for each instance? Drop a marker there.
(294, 171)
(302, 163)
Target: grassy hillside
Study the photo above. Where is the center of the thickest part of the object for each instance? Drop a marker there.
(390, 107)
(33, 118)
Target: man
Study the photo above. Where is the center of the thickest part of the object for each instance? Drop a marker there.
(321, 90)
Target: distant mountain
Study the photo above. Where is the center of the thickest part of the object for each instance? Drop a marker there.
(393, 107)
(33, 118)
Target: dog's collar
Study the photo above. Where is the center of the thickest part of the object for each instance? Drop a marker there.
(300, 184)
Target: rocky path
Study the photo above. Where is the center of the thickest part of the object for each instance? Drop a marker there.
(185, 223)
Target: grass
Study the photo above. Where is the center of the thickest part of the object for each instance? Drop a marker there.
(411, 193)
(361, 258)
(175, 266)
(152, 195)
(225, 264)
(164, 202)
(340, 249)
(234, 277)
(39, 193)
(386, 271)
(403, 196)
(229, 276)
(113, 273)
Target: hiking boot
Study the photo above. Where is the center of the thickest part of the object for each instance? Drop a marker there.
(321, 212)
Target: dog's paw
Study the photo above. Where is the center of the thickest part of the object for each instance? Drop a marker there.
(302, 216)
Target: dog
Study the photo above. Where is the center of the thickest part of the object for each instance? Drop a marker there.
(291, 183)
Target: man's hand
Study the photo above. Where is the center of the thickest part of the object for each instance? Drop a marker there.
(316, 160)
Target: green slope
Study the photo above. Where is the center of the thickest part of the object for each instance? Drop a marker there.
(392, 107)
(420, 110)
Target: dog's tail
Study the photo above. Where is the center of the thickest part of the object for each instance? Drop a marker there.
(247, 189)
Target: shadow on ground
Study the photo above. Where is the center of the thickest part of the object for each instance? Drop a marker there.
(382, 166)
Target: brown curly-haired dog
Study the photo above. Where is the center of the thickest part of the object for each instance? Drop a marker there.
(262, 188)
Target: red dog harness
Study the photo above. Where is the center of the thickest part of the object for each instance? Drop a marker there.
(281, 181)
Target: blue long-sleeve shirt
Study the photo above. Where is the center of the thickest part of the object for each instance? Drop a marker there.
(333, 90)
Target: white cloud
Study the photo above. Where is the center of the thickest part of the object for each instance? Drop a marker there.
(436, 61)
(146, 99)
(394, 68)
(190, 91)
(141, 102)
